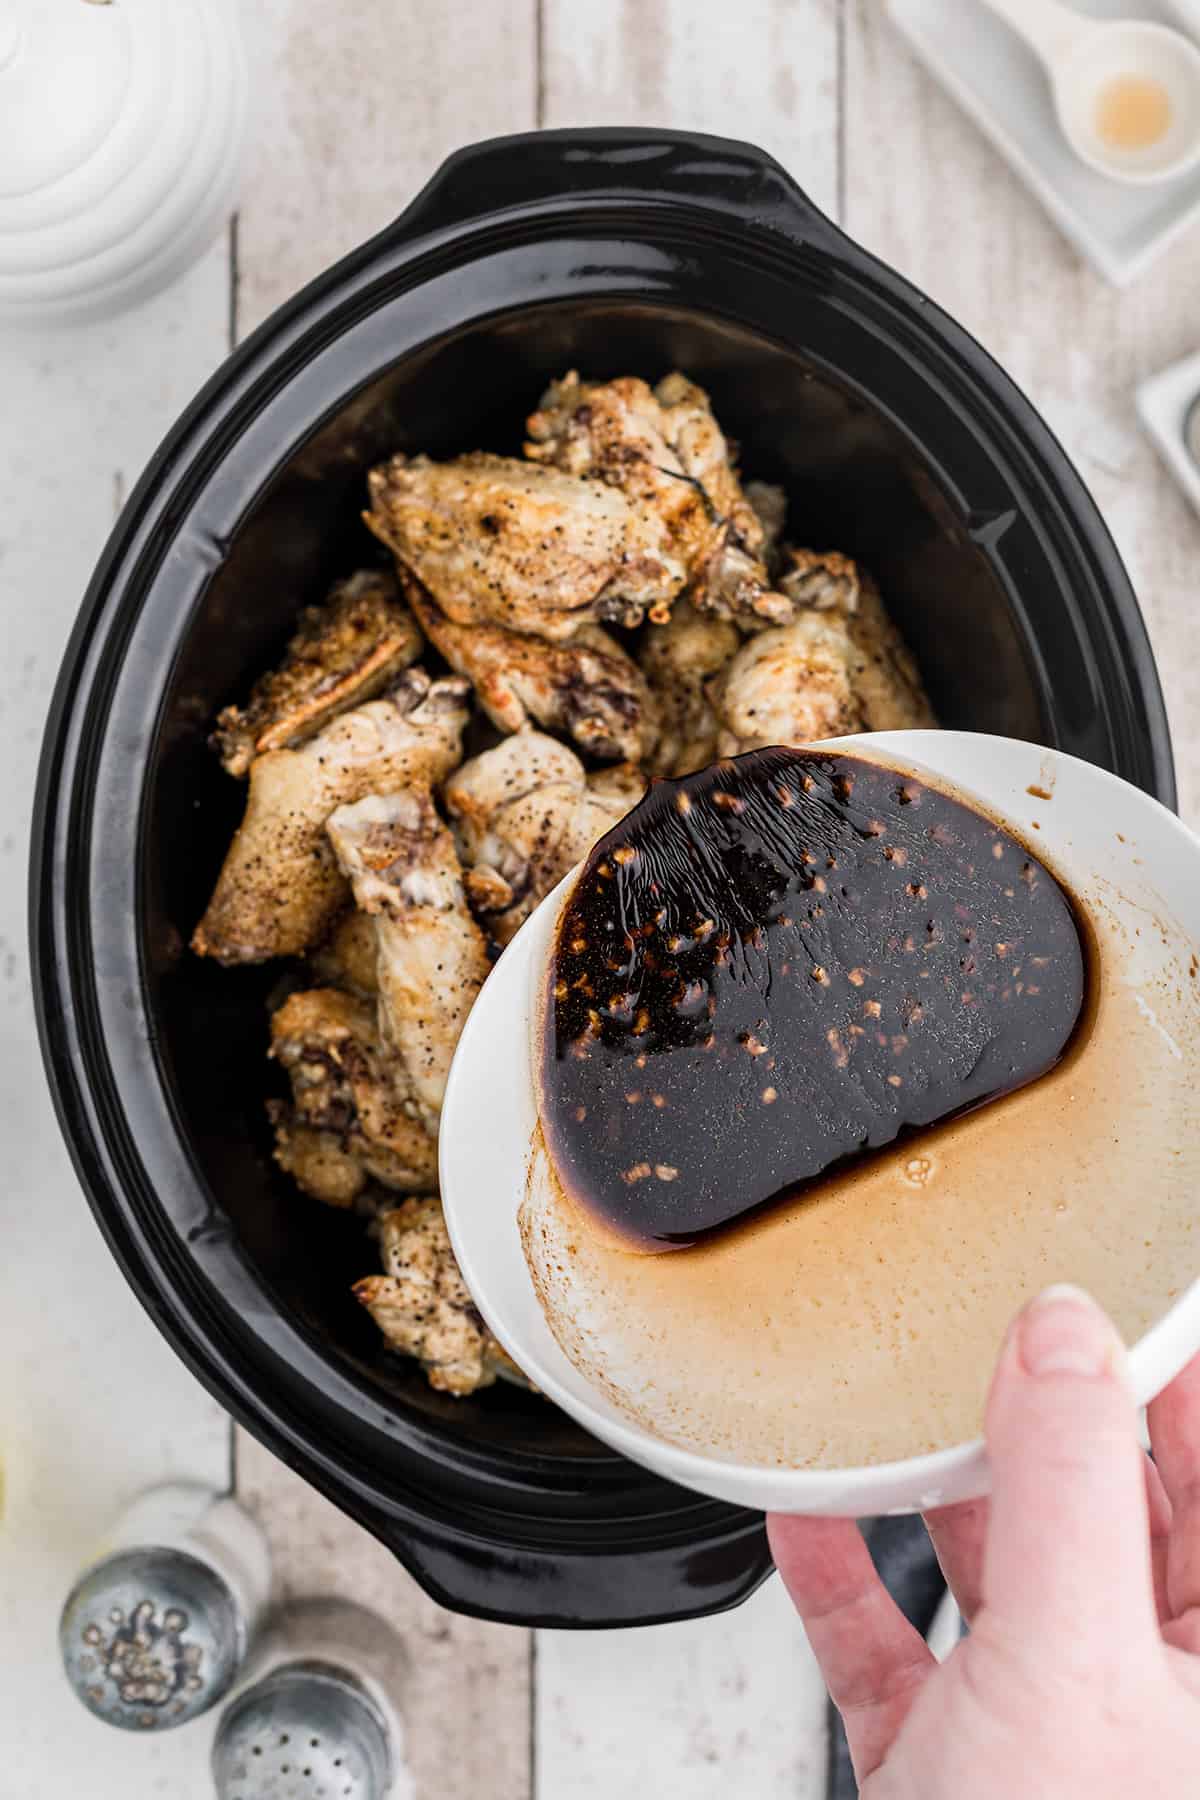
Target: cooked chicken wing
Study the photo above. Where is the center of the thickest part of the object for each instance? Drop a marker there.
(347, 957)
(280, 887)
(663, 448)
(432, 957)
(524, 814)
(319, 1162)
(824, 675)
(498, 541)
(790, 685)
(883, 671)
(350, 1109)
(344, 653)
(423, 1307)
(678, 659)
(589, 687)
(823, 580)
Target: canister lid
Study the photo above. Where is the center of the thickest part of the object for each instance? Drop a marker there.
(150, 1638)
(120, 135)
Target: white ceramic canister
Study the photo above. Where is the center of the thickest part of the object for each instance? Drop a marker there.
(122, 124)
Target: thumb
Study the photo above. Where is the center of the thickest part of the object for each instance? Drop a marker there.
(1067, 1565)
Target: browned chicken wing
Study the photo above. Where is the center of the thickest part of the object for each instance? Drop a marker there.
(664, 449)
(790, 685)
(422, 1305)
(525, 813)
(431, 955)
(280, 887)
(588, 687)
(824, 675)
(344, 653)
(351, 1115)
(498, 541)
(679, 659)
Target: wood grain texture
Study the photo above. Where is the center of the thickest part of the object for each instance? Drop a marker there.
(465, 1696)
(724, 1707)
(925, 192)
(359, 102)
(764, 70)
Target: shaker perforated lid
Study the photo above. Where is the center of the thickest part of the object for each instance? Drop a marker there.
(307, 1731)
(150, 1638)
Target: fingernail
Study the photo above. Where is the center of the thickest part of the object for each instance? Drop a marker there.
(1064, 1332)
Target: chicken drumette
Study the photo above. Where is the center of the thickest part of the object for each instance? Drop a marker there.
(678, 659)
(525, 813)
(280, 888)
(422, 1306)
(431, 956)
(825, 675)
(351, 1118)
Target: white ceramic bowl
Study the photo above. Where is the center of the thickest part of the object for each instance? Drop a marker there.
(1103, 836)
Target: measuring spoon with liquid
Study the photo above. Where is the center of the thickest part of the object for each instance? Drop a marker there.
(1126, 91)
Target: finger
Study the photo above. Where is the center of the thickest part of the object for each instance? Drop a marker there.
(872, 1659)
(1159, 1512)
(1175, 1434)
(1067, 1563)
(959, 1535)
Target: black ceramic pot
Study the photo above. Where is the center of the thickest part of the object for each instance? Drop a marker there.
(899, 440)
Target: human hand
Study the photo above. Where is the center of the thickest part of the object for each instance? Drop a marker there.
(1079, 1577)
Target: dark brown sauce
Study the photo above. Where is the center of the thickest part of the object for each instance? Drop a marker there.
(782, 963)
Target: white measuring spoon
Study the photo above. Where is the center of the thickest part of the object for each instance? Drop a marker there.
(1085, 58)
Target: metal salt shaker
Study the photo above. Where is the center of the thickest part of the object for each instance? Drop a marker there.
(155, 1631)
(318, 1718)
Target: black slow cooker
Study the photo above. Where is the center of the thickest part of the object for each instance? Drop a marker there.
(899, 441)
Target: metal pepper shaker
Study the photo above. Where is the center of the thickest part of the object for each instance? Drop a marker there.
(319, 1717)
(155, 1631)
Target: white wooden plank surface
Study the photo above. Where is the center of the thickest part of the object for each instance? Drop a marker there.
(764, 70)
(359, 102)
(925, 192)
(717, 1709)
(93, 1405)
(465, 1688)
(731, 1705)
